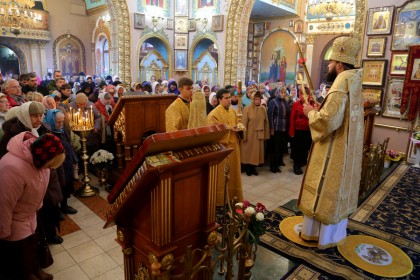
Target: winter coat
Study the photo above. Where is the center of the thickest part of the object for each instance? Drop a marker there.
(20, 196)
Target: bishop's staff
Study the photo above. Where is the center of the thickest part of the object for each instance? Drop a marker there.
(311, 86)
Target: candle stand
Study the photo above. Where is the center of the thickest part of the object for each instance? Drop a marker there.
(82, 123)
(86, 190)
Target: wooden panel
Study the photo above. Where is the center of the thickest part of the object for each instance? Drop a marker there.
(188, 204)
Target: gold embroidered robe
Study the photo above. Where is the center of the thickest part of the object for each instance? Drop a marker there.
(177, 115)
(231, 140)
(331, 183)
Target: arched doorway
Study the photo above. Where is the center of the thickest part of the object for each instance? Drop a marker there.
(9, 62)
(102, 53)
(324, 61)
(102, 56)
(205, 61)
(154, 60)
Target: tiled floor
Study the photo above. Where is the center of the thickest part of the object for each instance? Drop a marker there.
(93, 253)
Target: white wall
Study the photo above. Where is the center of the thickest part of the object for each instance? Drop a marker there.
(69, 16)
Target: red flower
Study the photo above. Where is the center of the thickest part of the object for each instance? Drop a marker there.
(260, 207)
(246, 204)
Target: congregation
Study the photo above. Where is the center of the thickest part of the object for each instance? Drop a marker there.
(35, 125)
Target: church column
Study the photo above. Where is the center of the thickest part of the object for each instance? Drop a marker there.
(92, 49)
(43, 59)
(34, 56)
(309, 52)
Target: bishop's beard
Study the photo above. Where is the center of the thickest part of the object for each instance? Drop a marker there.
(234, 102)
(331, 75)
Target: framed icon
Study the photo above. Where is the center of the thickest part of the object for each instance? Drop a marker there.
(298, 26)
(181, 41)
(192, 24)
(170, 24)
(380, 20)
(181, 60)
(392, 99)
(374, 72)
(181, 8)
(181, 24)
(407, 27)
(259, 29)
(376, 46)
(217, 23)
(399, 62)
(139, 21)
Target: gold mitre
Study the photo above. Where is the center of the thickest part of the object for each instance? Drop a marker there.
(345, 49)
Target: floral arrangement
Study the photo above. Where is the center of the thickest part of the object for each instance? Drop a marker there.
(255, 215)
(392, 155)
(101, 159)
(416, 136)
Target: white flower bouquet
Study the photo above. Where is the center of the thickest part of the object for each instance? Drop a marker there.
(255, 214)
(101, 159)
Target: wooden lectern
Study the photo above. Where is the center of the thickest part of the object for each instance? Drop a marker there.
(166, 198)
(134, 118)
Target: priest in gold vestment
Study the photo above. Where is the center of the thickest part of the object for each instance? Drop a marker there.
(178, 113)
(223, 114)
(330, 188)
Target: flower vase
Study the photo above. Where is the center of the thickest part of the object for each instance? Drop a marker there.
(387, 163)
(102, 175)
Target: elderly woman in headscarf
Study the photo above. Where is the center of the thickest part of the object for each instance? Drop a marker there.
(155, 87)
(119, 90)
(54, 120)
(212, 102)
(105, 106)
(28, 118)
(49, 102)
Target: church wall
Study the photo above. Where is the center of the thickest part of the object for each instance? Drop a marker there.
(317, 58)
(69, 16)
(399, 138)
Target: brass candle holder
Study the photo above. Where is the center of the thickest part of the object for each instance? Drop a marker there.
(82, 123)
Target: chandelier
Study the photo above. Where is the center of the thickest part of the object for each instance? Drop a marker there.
(330, 8)
(15, 12)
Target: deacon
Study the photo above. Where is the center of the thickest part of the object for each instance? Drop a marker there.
(223, 114)
(178, 113)
(330, 187)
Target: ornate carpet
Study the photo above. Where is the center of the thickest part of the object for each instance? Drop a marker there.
(390, 213)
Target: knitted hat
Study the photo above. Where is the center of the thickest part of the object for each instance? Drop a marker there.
(345, 49)
(45, 148)
(36, 108)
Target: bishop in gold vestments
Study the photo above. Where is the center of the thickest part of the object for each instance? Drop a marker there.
(221, 115)
(330, 188)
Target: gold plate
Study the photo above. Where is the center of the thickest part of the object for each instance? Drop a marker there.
(290, 228)
(376, 256)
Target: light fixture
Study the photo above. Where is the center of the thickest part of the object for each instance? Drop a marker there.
(330, 8)
(106, 18)
(155, 22)
(14, 12)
